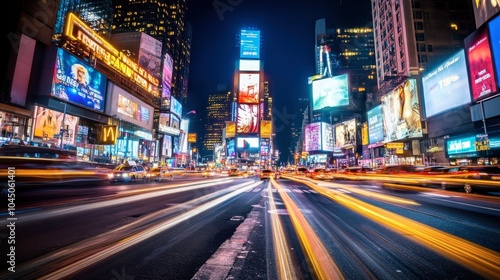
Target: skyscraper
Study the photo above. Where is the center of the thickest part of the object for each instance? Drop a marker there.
(218, 112)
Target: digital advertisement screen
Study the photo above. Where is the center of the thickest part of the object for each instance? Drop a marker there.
(247, 143)
(312, 137)
(164, 122)
(48, 124)
(166, 80)
(135, 111)
(266, 129)
(482, 76)
(327, 139)
(248, 119)
(167, 146)
(249, 65)
(345, 134)
(484, 10)
(461, 145)
(249, 88)
(265, 147)
(495, 43)
(250, 44)
(76, 82)
(447, 86)
(230, 129)
(174, 122)
(330, 92)
(230, 148)
(401, 112)
(175, 106)
(375, 125)
(150, 54)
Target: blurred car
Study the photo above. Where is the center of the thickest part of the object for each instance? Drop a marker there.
(266, 174)
(208, 173)
(398, 169)
(301, 171)
(321, 174)
(159, 174)
(127, 173)
(233, 172)
(357, 170)
(481, 178)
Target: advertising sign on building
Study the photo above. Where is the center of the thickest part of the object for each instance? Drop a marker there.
(230, 129)
(250, 44)
(312, 139)
(249, 88)
(375, 125)
(248, 118)
(266, 129)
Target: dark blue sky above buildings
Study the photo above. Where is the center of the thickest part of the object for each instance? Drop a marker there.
(287, 29)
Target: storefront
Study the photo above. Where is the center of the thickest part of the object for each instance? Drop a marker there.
(473, 150)
(14, 123)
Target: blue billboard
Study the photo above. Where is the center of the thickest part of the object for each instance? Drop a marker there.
(250, 44)
(495, 44)
(446, 86)
(375, 125)
(77, 82)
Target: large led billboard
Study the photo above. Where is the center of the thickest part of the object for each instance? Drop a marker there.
(446, 86)
(76, 82)
(175, 106)
(249, 88)
(481, 73)
(166, 80)
(461, 145)
(230, 148)
(250, 44)
(484, 10)
(375, 125)
(167, 146)
(248, 118)
(327, 139)
(247, 143)
(128, 107)
(249, 65)
(164, 122)
(330, 92)
(312, 138)
(150, 54)
(495, 43)
(230, 129)
(345, 134)
(401, 112)
(266, 129)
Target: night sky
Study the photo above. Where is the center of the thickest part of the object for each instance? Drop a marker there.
(287, 30)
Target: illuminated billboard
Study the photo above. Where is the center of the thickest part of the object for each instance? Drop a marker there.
(250, 44)
(230, 149)
(247, 143)
(164, 122)
(481, 73)
(495, 43)
(461, 145)
(76, 82)
(230, 129)
(375, 125)
(48, 125)
(484, 10)
(167, 146)
(175, 106)
(166, 81)
(327, 139)
(312, 138)
(248, 118)
(150, 54)
(128, 107)
(401, 112)
(330, 92)
(249, 65)
(345, 134)
(249, 88)
(265, 148)
(447, 86)
(266, 129)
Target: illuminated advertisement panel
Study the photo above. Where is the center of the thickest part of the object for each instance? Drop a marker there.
(249, 65)
(128, 107)
(164, 122)
(248, 119)
(481, 74)
(76, 82)
(230, 129)
(447, 86)
(230, 149)
(192, 138)
(167, 146)
(247, 143)
(364, 134)
(133, 110)
(250, 44)
(166, 81)
(375, 125)
(175, 106)
(249, 88)
(150, 54)
(495, 43)
(401, 112)
(266, 129)
(175, 122)
(484, 10)
(345, 134)
(461, 145)
(48, 124)
(327, 139)
(330, 92)
(265, 147)
(312, 138)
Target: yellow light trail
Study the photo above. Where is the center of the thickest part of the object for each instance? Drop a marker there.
(477, 258)
(323, 265)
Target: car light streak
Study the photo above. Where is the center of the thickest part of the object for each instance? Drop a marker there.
(93, 250)
(125, 197)
(477, 258)
(321, 261)
(285, 267)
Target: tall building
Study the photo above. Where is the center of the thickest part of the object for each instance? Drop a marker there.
(218, 112)
(267, 102)
(98, 14)
(410, 36)
(165, 21)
